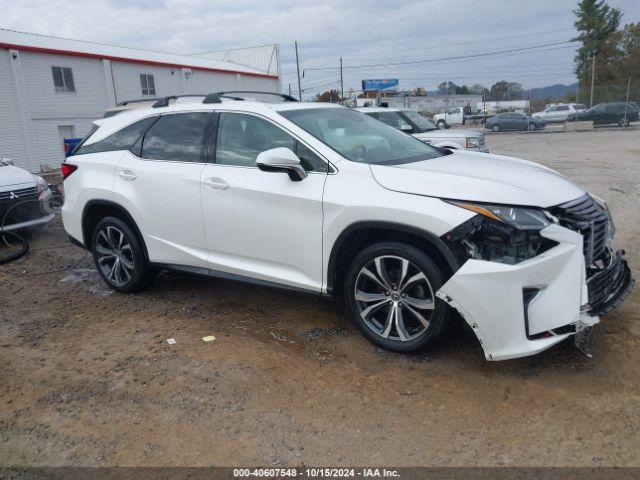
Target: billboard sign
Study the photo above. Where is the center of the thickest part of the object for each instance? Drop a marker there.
(384, 84)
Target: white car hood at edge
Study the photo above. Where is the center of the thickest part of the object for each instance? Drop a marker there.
(479, 177)
(10, 175)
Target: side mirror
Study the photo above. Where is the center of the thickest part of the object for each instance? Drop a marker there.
(8, 161)
(406, 128)
(281, 159)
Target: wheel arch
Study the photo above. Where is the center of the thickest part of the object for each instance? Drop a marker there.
(362, 234)
(95, 210)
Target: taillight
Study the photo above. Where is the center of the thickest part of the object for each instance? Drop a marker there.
(68, 169)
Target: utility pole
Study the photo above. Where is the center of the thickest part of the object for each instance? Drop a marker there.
(528, 124)
(626, 104)
(341, 81)
(298, 69)
(593, 78)
(289, 89)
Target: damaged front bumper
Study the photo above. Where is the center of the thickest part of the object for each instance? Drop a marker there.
(522, 309)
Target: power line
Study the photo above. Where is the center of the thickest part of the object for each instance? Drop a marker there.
(440, 47)
(442, 59)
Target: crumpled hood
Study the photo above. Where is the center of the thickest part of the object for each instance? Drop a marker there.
(479, 177)
(448, 134)
(10, 176)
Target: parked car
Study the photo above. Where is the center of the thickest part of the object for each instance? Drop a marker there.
(24, 199)
(424, 130)
(319, 198)
(514, 121)
(618, 113)
(559, 113)
(458, 116)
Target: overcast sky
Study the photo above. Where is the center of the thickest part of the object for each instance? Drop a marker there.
(364, 32)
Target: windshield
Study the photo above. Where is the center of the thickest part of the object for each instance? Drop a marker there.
(360, 138)
(420, 121)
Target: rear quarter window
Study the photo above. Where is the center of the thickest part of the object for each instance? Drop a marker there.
(123, 139)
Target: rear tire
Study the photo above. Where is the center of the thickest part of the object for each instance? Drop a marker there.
(390, 293)
(119, 256)
(623, 122)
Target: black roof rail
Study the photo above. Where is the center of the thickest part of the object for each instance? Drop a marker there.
(127, 102)
(164, 101)
(237, 95)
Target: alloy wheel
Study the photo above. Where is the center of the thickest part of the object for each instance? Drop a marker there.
(114, 255)
(394, 298)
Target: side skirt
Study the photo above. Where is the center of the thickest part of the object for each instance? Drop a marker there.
(207, 272)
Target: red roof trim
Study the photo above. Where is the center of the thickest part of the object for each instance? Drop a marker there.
(128, 60)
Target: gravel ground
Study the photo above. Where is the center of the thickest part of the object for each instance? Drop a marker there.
(87, 377)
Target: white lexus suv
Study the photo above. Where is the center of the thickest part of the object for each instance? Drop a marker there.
(324, 199)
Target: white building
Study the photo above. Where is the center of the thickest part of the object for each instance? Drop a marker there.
(53, 88)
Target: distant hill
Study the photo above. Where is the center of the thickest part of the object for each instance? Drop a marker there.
(556, 91)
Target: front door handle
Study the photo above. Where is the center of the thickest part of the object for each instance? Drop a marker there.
(216, 183)
(127, 175)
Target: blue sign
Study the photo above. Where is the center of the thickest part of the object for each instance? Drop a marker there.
(368, 85)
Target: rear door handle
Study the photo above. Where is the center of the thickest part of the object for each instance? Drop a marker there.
(216, 183)
(127, 175)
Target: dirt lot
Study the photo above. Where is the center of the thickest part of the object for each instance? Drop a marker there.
(87, 378)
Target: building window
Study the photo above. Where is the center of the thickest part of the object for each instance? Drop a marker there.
(63, 79)
(147, 84)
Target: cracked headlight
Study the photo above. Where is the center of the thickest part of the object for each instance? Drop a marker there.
(472, 142)
(521, 218)
(500, 233)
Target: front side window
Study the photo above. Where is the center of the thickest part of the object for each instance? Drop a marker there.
(121, 140)
(63, 79)
(179, 137)
(360, 138)
(147, 84)
(242, 137)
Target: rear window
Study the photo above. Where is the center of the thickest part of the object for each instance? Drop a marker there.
(121, 140)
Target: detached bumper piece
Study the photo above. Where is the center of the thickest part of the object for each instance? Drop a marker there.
(609, 287)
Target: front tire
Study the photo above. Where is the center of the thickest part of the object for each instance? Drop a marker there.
(119, 256)
(623, 122)
(441, 124)
(496, 128)
(390, 292)
(532, 127)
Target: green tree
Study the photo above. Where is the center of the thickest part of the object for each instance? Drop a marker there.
(596, 23)
(463, 90)
(504, 90)
(447, 88)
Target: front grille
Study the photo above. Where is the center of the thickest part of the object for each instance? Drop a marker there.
(19, 194)
(588, 218)
(19, 205)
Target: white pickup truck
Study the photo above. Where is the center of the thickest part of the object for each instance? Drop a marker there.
(458, 116)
